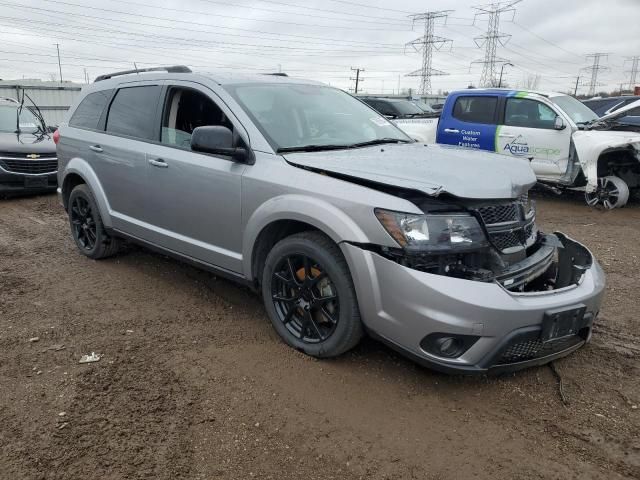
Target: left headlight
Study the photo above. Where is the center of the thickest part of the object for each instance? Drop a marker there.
(436, 233)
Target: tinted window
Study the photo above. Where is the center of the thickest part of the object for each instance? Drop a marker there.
(523, 112)
(88, 113)
(405, 107)
(186, 110)
(386, 108)
(475, 109)
(132, 112)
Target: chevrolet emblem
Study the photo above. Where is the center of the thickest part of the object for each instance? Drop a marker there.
(33, 155)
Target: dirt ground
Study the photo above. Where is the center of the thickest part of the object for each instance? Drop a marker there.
(195, 384)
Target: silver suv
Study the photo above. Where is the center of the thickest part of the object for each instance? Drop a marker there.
(341, 221)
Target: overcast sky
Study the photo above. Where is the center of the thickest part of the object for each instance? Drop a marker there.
(319, 39)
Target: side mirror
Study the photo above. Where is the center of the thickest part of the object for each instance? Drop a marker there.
(217, 140)
(558, 123)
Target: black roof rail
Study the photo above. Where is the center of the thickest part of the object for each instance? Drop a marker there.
(171, 69)
(277, 74)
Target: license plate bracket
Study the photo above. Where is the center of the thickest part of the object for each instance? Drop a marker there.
(562, 322)
(36, 182)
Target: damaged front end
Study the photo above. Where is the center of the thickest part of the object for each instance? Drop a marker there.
(486, 242)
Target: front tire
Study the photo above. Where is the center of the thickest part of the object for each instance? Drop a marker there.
(612, 192)
(309, 295)
(86, 224)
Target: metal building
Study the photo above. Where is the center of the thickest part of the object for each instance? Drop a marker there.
(53, 98)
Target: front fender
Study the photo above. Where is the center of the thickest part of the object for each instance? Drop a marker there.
(591, 144)
(80, 167)
(321, 214)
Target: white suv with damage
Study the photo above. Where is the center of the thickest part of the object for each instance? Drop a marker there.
(567, 144)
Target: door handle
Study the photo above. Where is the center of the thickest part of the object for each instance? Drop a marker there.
(451, 130)
(158, 162)
(96, 148)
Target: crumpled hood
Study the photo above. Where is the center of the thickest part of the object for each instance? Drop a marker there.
(26, 143)
(431, 169)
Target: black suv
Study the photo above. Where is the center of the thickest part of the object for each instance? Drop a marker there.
(396, 107)
(28, 162)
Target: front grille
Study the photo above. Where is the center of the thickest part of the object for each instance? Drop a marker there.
(535, 348)
(505, 240)
(25, 156)
(509, 225)
(33, 167)
(492, 214)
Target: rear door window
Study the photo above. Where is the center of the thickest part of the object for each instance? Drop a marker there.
(88, 113)
(133, 111)
(476, 109)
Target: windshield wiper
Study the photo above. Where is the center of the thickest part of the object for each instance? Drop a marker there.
(379, 141)
(319, 148)
(312, 148)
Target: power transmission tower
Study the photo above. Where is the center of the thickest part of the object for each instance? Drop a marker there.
(59, 64)
(492, 38)
(595, 69)
(427, 43)
(357, 79)
(633, 73)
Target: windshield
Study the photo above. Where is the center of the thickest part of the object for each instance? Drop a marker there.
(9, 123)
(292, 116)
(577, 111)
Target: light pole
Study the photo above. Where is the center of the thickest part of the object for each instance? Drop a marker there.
(501, 70)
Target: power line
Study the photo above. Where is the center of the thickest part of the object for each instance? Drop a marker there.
(427, 43)
(368, 6)
(491, 39)
(545, 40)
(306, 7)
(595, 69)
(271, 21)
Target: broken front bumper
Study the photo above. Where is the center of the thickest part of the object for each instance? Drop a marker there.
(503, 329)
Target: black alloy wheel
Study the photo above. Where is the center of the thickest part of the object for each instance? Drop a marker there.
(305, 298)
(309, 295)
(87, 228)
(84, 224)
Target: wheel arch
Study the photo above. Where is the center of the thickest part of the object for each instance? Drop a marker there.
(285, 215)
(77, 172)
(612, 161)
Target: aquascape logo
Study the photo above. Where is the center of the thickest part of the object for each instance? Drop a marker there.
(518, 146)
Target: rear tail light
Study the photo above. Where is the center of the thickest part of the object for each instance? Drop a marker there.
(56, 136)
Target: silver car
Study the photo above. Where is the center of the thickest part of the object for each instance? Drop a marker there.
(342, 222)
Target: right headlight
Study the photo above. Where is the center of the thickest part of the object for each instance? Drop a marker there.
(433, 233)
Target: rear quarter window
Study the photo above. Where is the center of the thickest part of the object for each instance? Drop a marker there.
(476, 109)
(88, 113)
(133, 112)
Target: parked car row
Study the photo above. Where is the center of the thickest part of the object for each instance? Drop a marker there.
(342, 221)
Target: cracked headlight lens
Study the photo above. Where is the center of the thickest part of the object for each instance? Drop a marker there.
(437, 233)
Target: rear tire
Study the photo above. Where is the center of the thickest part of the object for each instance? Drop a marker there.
(309, 295)
(86, 225)
(612, 192)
